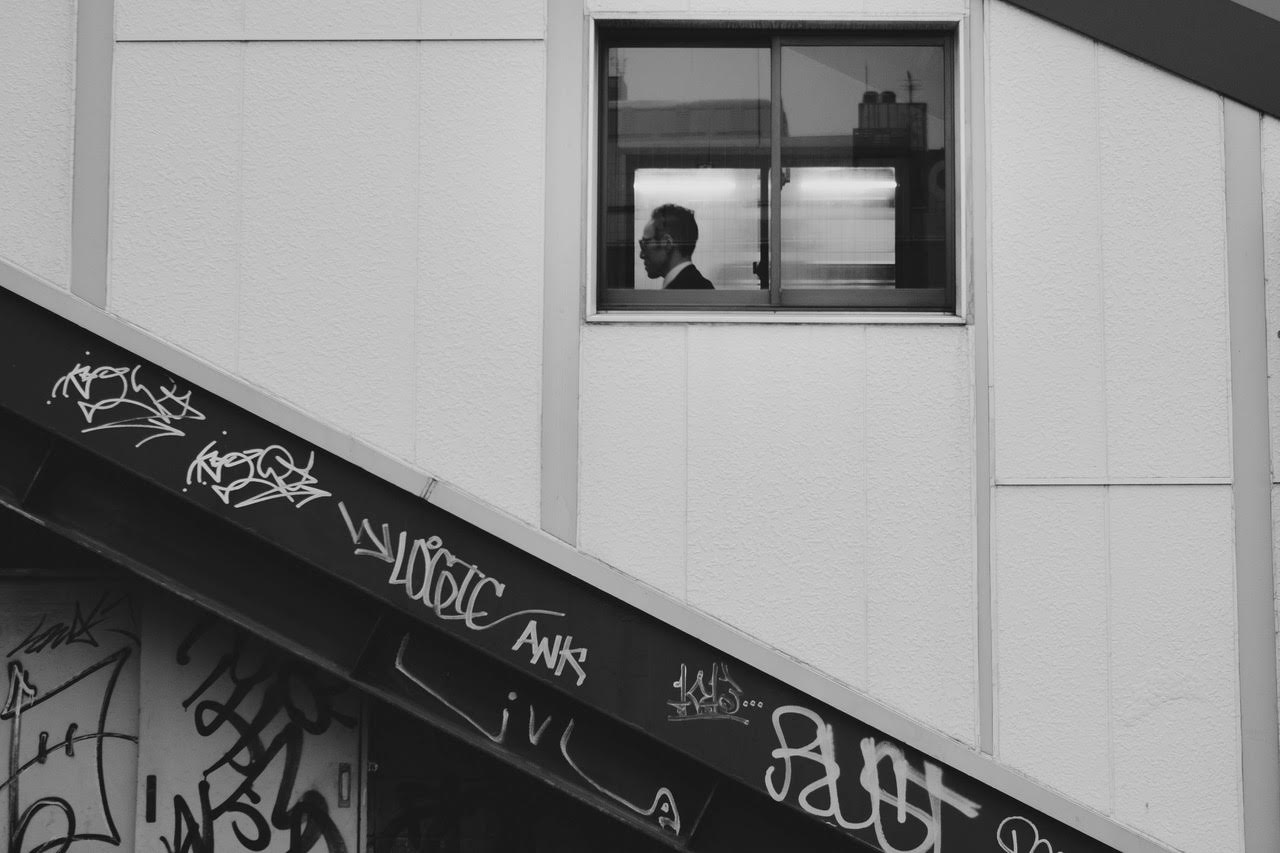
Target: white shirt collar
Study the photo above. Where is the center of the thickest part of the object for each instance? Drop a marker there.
(673, 272)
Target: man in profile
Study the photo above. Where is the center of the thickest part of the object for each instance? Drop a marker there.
(666, 248)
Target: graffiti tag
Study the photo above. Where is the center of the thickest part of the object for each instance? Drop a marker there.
(820, 798)
(115, 398)
(252, 476)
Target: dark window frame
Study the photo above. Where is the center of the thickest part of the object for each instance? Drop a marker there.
(937, 298)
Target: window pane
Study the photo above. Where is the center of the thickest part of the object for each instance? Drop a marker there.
(687, 126)
(863, 153)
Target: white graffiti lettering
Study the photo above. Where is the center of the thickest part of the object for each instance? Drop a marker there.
(664, 802)
(663, 805)
(555, 655)
(821, 798)
(431, 574)
(125, 402)
(720, 700)
(1011, 842)
(253, 476)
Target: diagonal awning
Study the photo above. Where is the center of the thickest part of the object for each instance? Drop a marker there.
(455, 625)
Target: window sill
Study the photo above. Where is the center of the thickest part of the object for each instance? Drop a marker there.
(847, 318)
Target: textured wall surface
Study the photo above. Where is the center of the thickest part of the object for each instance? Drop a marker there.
(1116, 652)
(1109, 294)
(811, 486)
(1114, 604)
(37, 95)
(329, 19)
(335, 224)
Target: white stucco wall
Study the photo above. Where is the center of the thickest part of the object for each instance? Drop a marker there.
(1113, 561)
(810, 485)
(37, 101)
(354, 226)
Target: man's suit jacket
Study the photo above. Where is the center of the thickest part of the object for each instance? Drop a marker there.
(690, 279)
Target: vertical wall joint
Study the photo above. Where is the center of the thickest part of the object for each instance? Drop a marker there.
(91, 160)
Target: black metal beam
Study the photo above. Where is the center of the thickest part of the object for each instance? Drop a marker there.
(1218, 44)
(452, 623)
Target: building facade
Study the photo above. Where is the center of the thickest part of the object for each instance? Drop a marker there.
(1016, 516)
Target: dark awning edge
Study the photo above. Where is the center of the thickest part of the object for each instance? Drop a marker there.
(443, 618)
(1218, 44)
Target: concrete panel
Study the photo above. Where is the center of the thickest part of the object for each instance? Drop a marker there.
(637, 5)
(1049, 568)
(921, 574)
(330, 19)
(479, 300)
(1049, 408)
(493, 19)
(778, 488)
(330, 239)
(1271, 246)
(1174, 706)
(37, 77)
(175, 206)
(167, 19)
(215, 701)
(631, 495)
(1163, 216)
(71, 716)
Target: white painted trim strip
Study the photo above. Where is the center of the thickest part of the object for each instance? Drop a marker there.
(1016, 482)
(91, 164)
(747, 318)
(975, 65)
(562, 268)
(1251, 461)
(586, 568)
(231, 37)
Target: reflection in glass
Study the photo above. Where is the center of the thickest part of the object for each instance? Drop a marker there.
(863, 166)
(726, 203)
(689, 126)
(838, 226)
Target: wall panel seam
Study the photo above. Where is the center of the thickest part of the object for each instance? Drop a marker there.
(91, 151)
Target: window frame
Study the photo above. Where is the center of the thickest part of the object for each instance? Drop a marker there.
(944, 303)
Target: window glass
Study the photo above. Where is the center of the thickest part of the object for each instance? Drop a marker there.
(688, 126)
(864, 130)
(806, 169)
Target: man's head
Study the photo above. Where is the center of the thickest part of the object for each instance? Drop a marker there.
(669, 239)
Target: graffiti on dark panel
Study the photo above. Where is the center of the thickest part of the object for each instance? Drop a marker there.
(902, 805)
(251, 476)
(113, 398)
(56, 781)
(719, 698)
(51, 632)
(453, 589)
(1019, 835)
(263, 710)
(660, 806)
(429, 793)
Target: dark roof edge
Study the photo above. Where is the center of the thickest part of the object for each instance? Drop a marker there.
(1218, 44)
